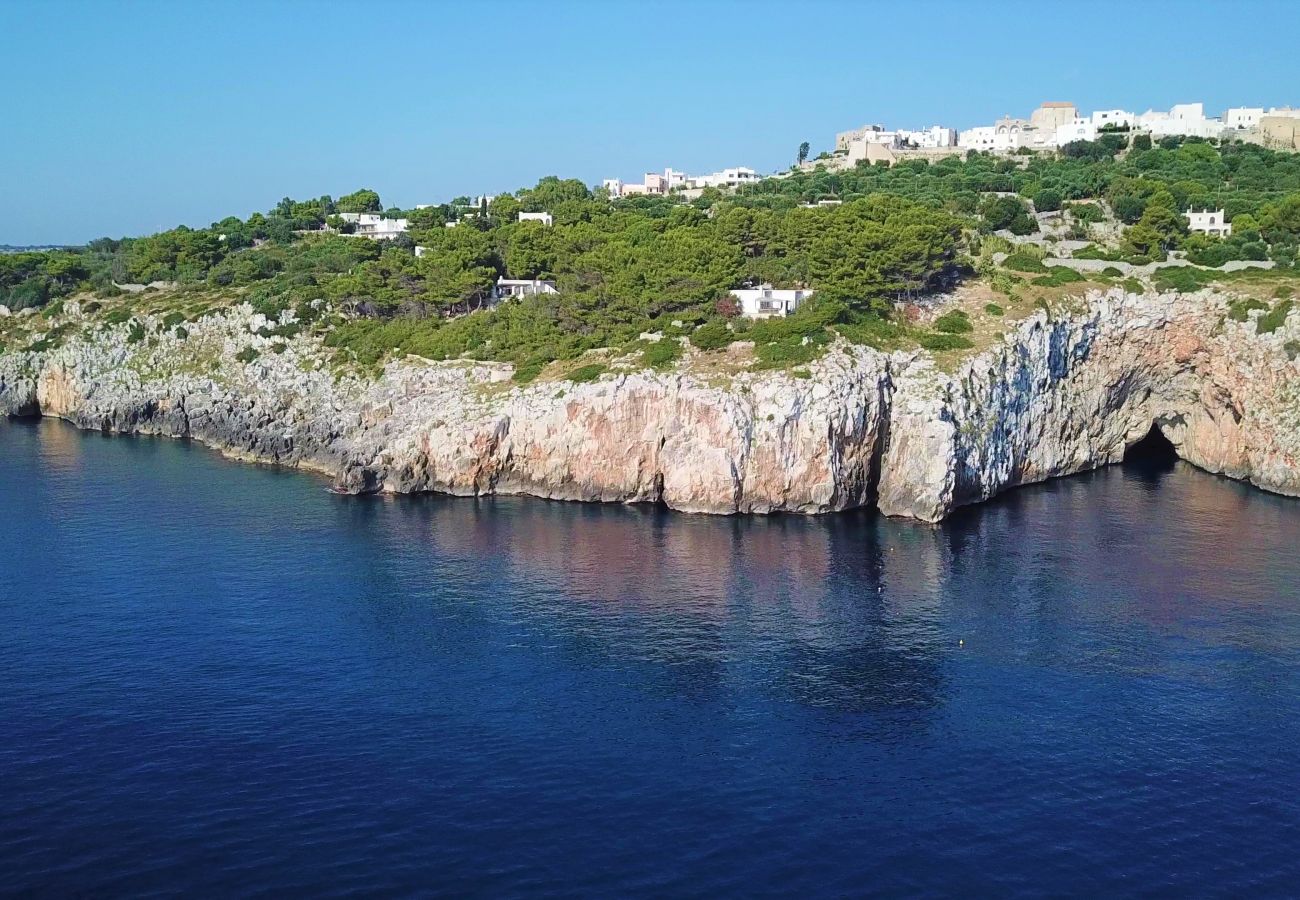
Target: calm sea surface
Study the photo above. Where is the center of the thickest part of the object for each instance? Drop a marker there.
(219, 679)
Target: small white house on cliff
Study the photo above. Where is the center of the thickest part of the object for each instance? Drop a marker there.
(765, 301)
(514, 288)
(375, 226)
(1208, 221)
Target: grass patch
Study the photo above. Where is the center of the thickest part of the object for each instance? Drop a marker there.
(875, 332)
(1060, 275)
(528, 371)
(712, 336)
(1239, 310)
(994, 310)
(954, 322)
(662, 353)
(1184, 279)
(1024, 262)
(1275, 318)
(587, 373)
(941, 341)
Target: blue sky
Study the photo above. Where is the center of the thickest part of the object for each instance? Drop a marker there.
(126, 118)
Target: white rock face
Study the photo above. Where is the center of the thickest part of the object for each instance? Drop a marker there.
(1057, 397)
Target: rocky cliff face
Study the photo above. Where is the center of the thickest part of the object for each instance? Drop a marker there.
(1060, 395)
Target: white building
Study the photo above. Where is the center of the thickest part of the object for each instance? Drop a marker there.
(1187, 119)
(514, 288)
(1077, 129)
(651, 183)
(931, 138)
(733, 177)
(1003, 136)
(1242, 117)
(1115, 118)
(375, 226)
(1208, 221)
(765, 301)
(979, 138)
(543, 217)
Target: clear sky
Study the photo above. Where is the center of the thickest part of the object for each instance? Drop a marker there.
(126, 118)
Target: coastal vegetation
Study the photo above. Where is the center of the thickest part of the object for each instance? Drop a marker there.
(664, 266)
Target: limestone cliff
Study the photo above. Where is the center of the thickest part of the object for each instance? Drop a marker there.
(1060, 394)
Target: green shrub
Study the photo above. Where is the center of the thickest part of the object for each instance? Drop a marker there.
(661, 353)
(939, 342)
(136, 333)
(1292, 349)
(1183, 279)
(172, 319)
(1112, 272)
(1060, 275)
(994, 310)
(1275, 318)
(1133, 286)
(712, 336)
(247, 355)
(790, 351)
(584, 374)
(954, 322)
(528, 371)
(1023, 262)
(1239, 310)
(873, 331)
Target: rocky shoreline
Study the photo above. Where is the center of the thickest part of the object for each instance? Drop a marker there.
(1062, 393)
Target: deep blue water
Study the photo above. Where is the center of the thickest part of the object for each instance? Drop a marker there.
(219, 679)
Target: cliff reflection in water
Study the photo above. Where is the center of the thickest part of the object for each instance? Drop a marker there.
(841, 606)
(854, 611)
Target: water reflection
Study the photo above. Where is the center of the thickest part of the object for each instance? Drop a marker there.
(855, 612)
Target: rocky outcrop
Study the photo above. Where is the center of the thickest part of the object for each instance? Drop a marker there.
(1060, 394)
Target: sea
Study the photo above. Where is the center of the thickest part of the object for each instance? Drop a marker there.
(219, 679)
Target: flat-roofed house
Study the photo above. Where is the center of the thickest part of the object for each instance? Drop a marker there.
(765, 301)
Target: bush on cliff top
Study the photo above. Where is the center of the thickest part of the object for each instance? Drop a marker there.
(1275, 318)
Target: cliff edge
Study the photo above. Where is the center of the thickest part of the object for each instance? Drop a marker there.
(1061, 393)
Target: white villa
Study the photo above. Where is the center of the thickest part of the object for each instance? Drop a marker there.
(672, 180)
(1187, 119)
(651, 183)
(765, 301)
(375, 226)
(1209, 221)
(1116, 118)
(733, 177)
(543, 217)
(514, 288)
(1077, 129)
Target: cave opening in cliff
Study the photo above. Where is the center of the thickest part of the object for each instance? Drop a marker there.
(1153, 452)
